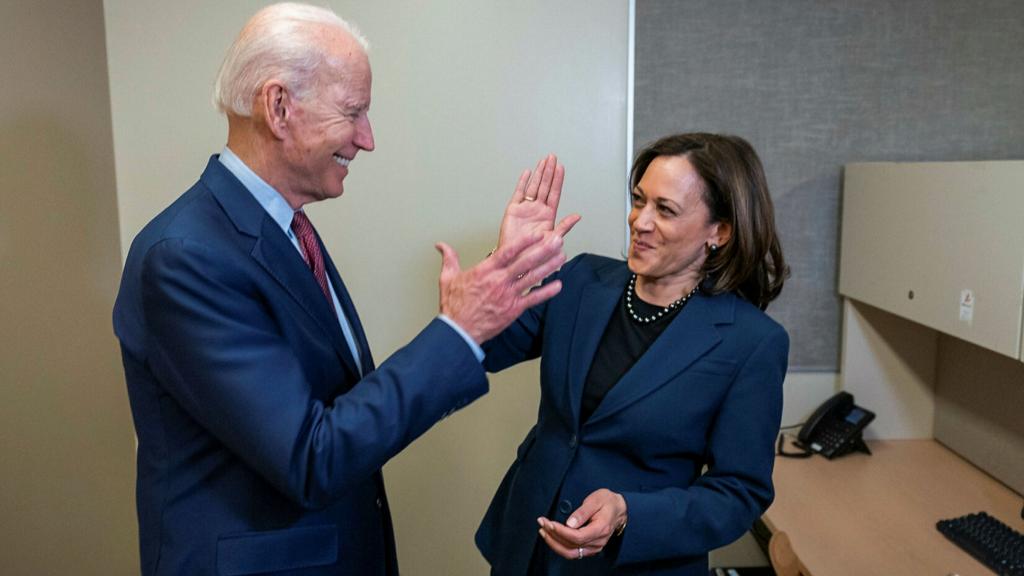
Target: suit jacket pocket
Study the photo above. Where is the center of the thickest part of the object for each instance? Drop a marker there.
(277, 550)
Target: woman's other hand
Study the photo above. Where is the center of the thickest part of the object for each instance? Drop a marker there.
(589, 528)
(534, 204)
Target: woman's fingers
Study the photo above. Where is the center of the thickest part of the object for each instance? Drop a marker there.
(555, 191)
(567, 550)
(520, 191)
(594, 531)
(547, 177)
(533, 186)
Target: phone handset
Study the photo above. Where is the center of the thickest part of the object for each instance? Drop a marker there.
(833, 429)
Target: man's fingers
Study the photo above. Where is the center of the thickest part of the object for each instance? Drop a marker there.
(537, 274)
(541, 294)
(449, 262)
(507, 255)
(525, 254)
(537, 255)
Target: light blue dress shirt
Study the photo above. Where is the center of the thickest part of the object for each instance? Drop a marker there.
(279, 210)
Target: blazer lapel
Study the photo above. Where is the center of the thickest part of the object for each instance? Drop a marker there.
(690, 335)
(595, 310)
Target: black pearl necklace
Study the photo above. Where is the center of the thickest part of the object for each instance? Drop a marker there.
(661, 313)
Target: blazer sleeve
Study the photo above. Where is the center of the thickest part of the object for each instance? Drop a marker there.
(218, 353)
(737, 487)
(524, 339)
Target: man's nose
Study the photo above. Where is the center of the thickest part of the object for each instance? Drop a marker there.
(364, 134)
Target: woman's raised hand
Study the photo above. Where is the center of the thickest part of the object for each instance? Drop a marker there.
(534, 204)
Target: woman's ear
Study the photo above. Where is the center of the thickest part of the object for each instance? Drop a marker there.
(722, 233)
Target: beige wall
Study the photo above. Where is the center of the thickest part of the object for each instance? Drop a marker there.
(466, 95)
(66, 444)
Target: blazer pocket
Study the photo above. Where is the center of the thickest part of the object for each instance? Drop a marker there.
(277, 550)
(713, 366)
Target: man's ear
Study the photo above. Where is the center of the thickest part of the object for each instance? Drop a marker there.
(275, 103)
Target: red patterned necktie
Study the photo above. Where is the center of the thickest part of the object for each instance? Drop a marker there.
(311, 253)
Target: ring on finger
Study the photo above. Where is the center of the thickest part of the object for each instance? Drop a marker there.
(531, 198)
(579, 553)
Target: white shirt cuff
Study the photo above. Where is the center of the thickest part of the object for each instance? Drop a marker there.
(477, 350)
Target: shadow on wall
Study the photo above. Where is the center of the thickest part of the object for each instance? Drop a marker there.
(66, 436)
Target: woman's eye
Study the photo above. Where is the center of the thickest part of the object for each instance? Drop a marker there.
(636, 199)
(666, 211)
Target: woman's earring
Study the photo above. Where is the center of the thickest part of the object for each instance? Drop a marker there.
(713, 249)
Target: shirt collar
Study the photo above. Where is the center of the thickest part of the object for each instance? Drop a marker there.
(270, 199)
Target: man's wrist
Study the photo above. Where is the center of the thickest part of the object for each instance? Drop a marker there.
(477, 350)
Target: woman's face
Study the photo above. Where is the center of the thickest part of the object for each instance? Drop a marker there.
(670, 224)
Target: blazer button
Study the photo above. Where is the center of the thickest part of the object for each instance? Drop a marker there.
(573, 441)
(565, 506)
(380, 503)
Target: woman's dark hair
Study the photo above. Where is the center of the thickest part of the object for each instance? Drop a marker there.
(735, 191)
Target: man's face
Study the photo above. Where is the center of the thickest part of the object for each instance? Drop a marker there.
(326, 130)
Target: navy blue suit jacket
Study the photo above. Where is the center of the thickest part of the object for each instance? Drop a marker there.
(260, 447)
(707, 392)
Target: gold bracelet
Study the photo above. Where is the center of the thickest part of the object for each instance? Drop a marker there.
(621, 528)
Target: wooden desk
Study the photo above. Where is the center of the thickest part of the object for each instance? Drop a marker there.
(865, 515)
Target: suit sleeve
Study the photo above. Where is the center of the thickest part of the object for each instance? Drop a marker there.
(218, 353)
(737, 487)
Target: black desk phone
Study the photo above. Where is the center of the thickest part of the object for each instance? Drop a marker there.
(835, 428)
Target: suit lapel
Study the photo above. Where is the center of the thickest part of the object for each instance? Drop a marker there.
(349, 309)
(595, 310)
(275, 253)
(690, 335)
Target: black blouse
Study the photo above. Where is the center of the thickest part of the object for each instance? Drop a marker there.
(623, 343)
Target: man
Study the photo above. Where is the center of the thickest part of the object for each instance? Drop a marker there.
(261, 418)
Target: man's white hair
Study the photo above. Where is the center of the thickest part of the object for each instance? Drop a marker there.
(280, 41)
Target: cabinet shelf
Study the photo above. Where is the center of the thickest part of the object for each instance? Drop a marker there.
(939, 243)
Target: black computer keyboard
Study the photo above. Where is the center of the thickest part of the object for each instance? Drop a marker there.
(993, 543)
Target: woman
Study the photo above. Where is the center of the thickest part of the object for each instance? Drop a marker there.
(651, 370)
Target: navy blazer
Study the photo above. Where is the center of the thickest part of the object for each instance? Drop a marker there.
(708, 392)
(260, 447)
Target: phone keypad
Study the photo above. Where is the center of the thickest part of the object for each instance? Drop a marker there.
(834, 435)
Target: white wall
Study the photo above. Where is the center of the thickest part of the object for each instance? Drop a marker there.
(466, 95)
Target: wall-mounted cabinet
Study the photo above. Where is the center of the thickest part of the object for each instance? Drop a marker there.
(941, 244)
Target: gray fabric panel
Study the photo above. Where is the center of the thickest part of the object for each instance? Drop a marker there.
(814, 85)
